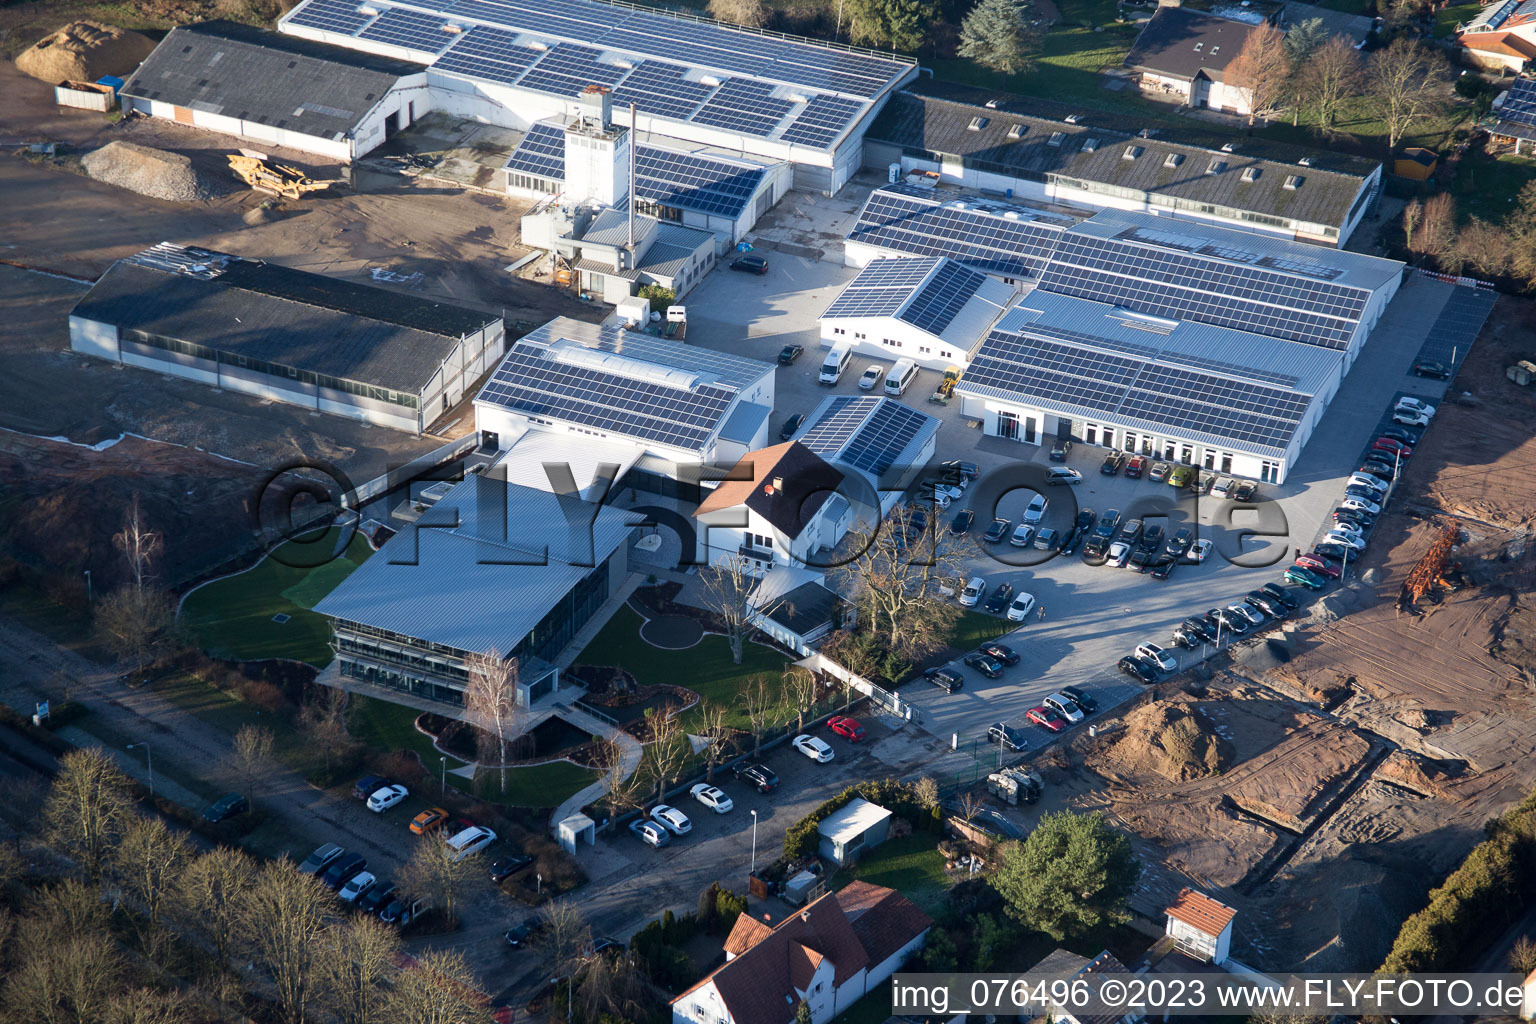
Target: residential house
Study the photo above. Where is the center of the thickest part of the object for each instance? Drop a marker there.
(1201, 926)
(1502, 37)
(1073, 968)
(1186, 53)
(779, 506)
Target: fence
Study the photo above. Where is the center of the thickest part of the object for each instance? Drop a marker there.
(1464, 282)
(820, 664)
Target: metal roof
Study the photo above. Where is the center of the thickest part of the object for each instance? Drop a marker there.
(533, 457)
(853, 819)
(1178, 42)
(482, 567)
(273, 314)
(237, 71)
(1035, 148)
(870, 434)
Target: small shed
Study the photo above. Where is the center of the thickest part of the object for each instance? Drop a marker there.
(849, 832)
(1415, 163)
(576, 829)
(85, 95)
(1201, 926)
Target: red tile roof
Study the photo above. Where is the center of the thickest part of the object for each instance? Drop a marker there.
(1200, 911)
(883, 919)
(1506, 43)
(747, 932)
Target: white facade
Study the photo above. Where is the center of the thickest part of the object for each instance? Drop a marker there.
(890, 338)
(726, 534)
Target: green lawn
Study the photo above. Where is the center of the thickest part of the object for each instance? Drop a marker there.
(1448, 18)
(233, 617)
(912, 866)
(1067, 69)
(1484, 185)
(975, 628)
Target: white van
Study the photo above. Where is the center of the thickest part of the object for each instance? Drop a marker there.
(836, 362)
(901, 377)
(470, 841)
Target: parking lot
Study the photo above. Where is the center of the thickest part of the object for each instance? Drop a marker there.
(1093, 615)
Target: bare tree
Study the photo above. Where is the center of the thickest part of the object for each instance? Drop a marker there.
(1330, 75)
(137, 625)
(250, 758)
(622, 789)
(565, 936)
(439, 874)
(86, 808)
(728, 587)
(759, 702)
(148, 861)
(1522, 955)
(800, 689)
(1437, 229)
(438, 988)
(490, 701)
(969, 806)
(138, 543)
(282, 921)
(1413, 213)
(358, 962)
(897, 578)
(1404, 76)
(747, 13)
(612, 987)
(149, 1006)
(713, 723)
(668, 750)
(1261, 68)
(324, 721)
(1484, 247)
(60, 974)
(208, 899)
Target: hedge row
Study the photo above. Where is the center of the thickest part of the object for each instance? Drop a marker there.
(900, 798)
(1490, 889)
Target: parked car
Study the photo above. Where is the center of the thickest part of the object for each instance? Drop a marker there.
(1408, 403)
(402, 912)
(650, 833)
(1430, 368)
(344, 868)
(974, 588)
(1231, 620)
(1047, 718)
(1281, 594)
(790, 426)
(1130, 531)
(369, 785)
(1059, 449)
(1362, 505)
(962, 522)
(1023, 604)
(1320, 565)
(1007, 736)
(1200, 550)
(1222, 488)
(1376, 483)
(1365, 493)
(946, 679)
(1035, 510)
(1151, 538)
(470, 841)
(388, 797)
(1084, 702)
(1159, 472)
(1254, 616)
(1271, 607)
(225, 807)
(1063, 706)
(1112, 463)
(322, 858)
(377, 898)
(1353, 541)
(1304, 576)
(1410, 418)
(759, 775)
(967, 470)
(526, 933)
(750, 264)
(1185, 636)
(1181, 477)
(848, 728)
(1402, 434)
(1138, 669)
(789, 353)
(997, 531)
(1064, 476)
(1119, 554)
(1000, 599)
(1245, 490)
(1157, 655)
(1094, 548)
(503, 868)
(1023, 535)
(1000, 652)
(1108, 523)
(1135, 466)
(870, 379)
(1380, 469)
(1393, 447)
(429, 820)
(671, 819)
(983, 664)
(816, 749)
(1334, 551)
(1180, 542)
(357, 886)
(1047, 539)
(1163, 567)
(712, 797)
(1141, 560)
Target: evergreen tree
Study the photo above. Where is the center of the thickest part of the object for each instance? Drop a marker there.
(1071, 875)
(1000, 34)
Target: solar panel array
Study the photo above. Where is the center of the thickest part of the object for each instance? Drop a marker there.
(1519, 103)
(821, 122)
(743, 105)
(660, 89)
(917, 222)
(410, 29)
(567, 69)
(662, 176)
(331, 16)
(881, 288)
(489, 53)
(529, 382)
(865, 433)
(1224, 250)
(941, 299)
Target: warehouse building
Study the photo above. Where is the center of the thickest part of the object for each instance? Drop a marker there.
(1003, 149)
(286, 335)
(493, 568)
(516, 63)
(278, 90)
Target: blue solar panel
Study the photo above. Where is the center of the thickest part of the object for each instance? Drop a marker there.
(822, 121)
(1519, 103)
(941, 299)
(567, 69)
(541, 153)
(488, 53)
(914, 221)
(410, 29)
(743, 105)
(331, 16)
(660, 89)
(866, 433)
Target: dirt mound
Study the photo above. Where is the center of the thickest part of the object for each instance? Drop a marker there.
(83, 51)
(149, 172)
(1421, 775)
(1172, 739)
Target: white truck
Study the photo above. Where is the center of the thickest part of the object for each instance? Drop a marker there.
(677, 323)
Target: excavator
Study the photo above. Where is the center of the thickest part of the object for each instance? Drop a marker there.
(275, 179)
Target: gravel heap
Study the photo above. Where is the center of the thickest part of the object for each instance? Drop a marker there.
(83, 51)
(149, 172)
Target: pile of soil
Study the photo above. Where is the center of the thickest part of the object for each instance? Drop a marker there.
(149, 172)
(1172, 739)
(83, 51)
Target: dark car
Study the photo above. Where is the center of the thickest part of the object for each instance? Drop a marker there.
(1060, 449)
(1430, 368)
(369, 785)
(997, 531)
(983, 664)
(1356, 517)
(1006, 735)
(1280, 594)
(1163, 567)
(1152, 538)
(1178, 544)
(504, 868)
(1001, 652)
(1000, 599)
(789, 353)
(1402, 434)
(377, 898)
(1142, 560)
(1337, 552)
(1094, 548)
(343, 869)
(1189, 637)
(790, 426)
(962, 521)
(402, 910)
(1230, 621)
(1244, 490)
(1107, 524)
(321, 859)
(1361, 491)
(226, 807)
(1305, 577)
(600, 945)
(1266, 603)
(525, 934)
(760, 775)
(1138, 668)
(1112, 463)
(1379, 468)
(1084, 702)
(967, 470)
(1130, 531)
(946, 679)
(750, 264)
(1086, 517)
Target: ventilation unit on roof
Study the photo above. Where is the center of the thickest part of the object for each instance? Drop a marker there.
(453, 30)
(1305, 161)
(991, 104)
(1090, 144)
(1293, 181)
(1229, 147)
(1131, 153)
(1146, 133)
(369, 11)
(1173, 159)
(1216, 167)
(707, 80)
(1251, 173)
(1056, 139)
(536, 44)
(1074, 118)
(1015, 131)
(1199, 47)
(1011, 215)
(977, 124)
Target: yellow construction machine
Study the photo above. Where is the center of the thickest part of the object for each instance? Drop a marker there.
(275, 179)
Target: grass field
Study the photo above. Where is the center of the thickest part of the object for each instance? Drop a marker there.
(233, 617)
(1484, 185)
(912, 866)
(1448, 18)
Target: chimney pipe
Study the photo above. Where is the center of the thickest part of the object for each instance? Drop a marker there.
(631, 179)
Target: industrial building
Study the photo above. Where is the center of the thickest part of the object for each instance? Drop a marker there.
(278, 90)
(879, 445)
(494, 568)
(519, 62)
(1005, 150)
(286, 335)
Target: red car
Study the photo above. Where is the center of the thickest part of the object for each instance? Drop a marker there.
(1135, 466)
(848, 728)
(1392, 445)
(1318, 565)
(1046, 717)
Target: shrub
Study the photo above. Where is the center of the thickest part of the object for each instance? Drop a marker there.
(728, 907)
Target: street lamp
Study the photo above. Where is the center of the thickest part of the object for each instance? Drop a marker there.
(444, 761)
(89, 593)
(753, 869)
(149, 756)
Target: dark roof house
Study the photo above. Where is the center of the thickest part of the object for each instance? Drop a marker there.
(786, 484)
(1182, 43)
